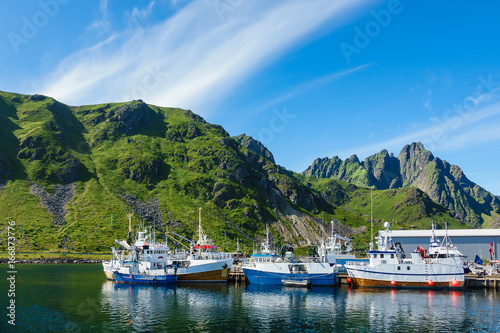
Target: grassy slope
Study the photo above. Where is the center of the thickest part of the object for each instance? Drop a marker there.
(178, 158)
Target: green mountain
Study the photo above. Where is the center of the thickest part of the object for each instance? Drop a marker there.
(416, 167)
(70, 175)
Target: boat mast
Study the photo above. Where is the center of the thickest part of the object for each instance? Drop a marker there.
(446, 237)
(371, 217)
(199, 230)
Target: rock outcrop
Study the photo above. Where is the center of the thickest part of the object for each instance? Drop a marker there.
(415, 167)
(254, 146)
(55, 202)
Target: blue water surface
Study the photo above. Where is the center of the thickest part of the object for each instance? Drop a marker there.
(77, 298)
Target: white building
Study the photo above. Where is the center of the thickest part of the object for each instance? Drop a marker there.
(468, 241)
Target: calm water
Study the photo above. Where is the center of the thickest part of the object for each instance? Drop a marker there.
(77, 298)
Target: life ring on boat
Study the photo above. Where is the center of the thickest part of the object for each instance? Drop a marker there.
(159, 266)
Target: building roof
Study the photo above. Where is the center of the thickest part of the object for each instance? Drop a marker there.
(451, 233)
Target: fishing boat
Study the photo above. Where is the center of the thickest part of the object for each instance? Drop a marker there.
(389, 267)
(441, 249)
(296, 283)
(146, 261)
(202, 263)
(266, 267)
(337, 250)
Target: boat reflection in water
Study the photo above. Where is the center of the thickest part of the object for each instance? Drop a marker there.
(429, 310)
(227, 308)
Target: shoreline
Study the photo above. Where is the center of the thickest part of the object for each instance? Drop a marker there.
(52, 261)
(54, 258)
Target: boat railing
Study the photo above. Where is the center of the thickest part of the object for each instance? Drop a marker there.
(357, 263)
(434, 261)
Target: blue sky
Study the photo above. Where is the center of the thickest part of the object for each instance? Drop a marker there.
(309, 79)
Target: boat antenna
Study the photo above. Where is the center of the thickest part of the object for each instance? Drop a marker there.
(371, 217)
(333, 222)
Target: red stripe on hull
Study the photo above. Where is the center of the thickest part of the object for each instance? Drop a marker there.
(402, 284)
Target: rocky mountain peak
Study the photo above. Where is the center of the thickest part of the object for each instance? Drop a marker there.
(417, 167)
(254, 146)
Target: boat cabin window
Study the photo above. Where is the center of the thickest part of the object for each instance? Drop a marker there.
(375, 256)
(407, 268)
(392, 255)
(297, 269)
(399, 268)
(381, 256)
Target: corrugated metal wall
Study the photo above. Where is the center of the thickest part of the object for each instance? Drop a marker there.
(469, 246)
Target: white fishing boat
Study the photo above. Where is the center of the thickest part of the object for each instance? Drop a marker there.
(146, 261)
(442, 249)
(337, 250)
(266, 267)
(202, 263)
(389, 267)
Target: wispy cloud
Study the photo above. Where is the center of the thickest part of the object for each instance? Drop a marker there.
(137, 16)
(191, 58)
(307, 86)
(102, 24)
(459, 131)
(428, 100)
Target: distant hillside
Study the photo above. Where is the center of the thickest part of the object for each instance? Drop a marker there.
(69, 175)
(416, 167)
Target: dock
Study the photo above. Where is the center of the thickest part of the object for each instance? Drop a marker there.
(236, 275)
(475, 281)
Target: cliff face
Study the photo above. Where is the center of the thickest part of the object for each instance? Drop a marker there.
(254, 146)
(417, 167)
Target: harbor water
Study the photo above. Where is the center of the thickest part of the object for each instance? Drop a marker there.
(77, 298)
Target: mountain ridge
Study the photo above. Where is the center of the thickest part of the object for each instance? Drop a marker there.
(70, 175)
(415, 166)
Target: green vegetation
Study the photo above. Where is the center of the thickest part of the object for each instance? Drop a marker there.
(163, 164)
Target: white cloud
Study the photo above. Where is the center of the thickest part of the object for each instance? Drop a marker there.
(138, 15)
(458, 131)
(193, 57)
(102, 25)
(308, 85)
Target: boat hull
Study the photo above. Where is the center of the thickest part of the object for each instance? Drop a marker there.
(418, 276)
(109, 275)
(144, 279)
(201, 271)
(320, 274)
(360, 282)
